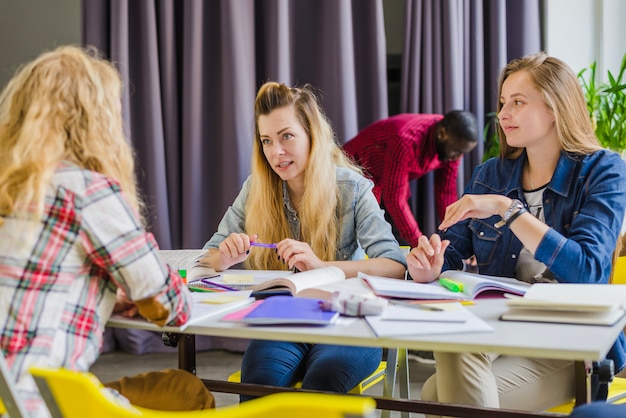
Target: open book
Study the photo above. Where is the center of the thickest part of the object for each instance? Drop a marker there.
(568, 303)
(473, 285)
(188, 261)
(317, 283)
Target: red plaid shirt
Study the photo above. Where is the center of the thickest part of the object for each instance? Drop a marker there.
(58, 277)
(393, 152)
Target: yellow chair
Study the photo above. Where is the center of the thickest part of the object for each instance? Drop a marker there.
(368, 382)
(617, 391)
(395, 366)
(70, 394)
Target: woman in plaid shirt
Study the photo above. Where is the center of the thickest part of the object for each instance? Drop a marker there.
(73, 247)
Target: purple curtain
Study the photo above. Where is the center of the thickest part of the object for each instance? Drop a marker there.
(453, 53)
(191, 70)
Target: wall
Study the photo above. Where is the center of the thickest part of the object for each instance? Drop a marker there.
(570, 32)
(30, 27)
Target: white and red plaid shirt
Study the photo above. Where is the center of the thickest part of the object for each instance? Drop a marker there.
(59, 276)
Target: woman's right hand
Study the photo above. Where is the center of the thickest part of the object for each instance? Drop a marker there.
(235, 249)
(425, 260)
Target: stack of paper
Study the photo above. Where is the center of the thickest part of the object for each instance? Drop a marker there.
(590, 304)
(400, 320)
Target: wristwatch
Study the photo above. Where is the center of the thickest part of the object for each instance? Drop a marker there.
(515, 207)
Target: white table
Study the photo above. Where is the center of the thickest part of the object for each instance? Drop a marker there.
(579, 343)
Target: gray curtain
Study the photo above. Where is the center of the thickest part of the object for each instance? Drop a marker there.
(453, 53)
(192, 69)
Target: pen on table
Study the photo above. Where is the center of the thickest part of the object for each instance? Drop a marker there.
(451, 285)
(221, 286)
(262, 244)
(416, 306)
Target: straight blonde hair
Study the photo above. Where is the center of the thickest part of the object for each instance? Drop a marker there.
(318, 212)
(563, 95)
(63, 106)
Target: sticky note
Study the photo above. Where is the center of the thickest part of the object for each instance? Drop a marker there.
(237, 278)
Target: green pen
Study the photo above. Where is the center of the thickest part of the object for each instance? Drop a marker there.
(451, 285)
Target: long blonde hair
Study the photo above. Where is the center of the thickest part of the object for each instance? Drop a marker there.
(63, 106)
(563, 95)
(318, 212)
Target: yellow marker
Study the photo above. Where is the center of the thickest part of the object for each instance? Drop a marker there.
(451, 285)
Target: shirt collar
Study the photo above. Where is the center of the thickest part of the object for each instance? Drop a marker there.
(561, 179)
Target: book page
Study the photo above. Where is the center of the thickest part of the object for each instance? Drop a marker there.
(408, 289)
(354, 286)
(475, 284)
(306, 279)
(188, 260)
(180, 259)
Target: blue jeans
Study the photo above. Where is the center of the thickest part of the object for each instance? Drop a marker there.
(334, 368)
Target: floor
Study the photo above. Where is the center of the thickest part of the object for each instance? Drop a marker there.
(218, 365)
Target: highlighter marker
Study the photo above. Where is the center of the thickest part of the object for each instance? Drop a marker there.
(451, 285)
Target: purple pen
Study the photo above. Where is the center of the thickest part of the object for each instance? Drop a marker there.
(261, 244)
(221, 286)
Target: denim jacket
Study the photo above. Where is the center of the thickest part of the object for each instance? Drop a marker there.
(584, 206)
(364, 229)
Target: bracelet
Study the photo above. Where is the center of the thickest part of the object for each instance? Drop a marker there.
(516, 206)
(515, 215)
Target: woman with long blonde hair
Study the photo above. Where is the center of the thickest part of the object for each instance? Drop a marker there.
(548, 210)
(305, 196)
(73, 247)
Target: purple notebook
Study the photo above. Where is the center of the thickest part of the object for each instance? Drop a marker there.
(290, 310)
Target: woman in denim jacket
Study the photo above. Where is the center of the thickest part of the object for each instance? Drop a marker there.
(550, 209)
(305, 196)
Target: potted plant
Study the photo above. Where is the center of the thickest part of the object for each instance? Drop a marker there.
(606, 102)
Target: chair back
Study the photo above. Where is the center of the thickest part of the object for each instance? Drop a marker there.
(72, 394)
(10, 403)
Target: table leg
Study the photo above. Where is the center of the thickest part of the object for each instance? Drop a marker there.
(582, 370)
(187, 352)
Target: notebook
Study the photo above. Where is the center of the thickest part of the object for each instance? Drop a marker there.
(282, 310)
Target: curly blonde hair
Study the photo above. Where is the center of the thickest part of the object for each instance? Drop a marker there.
(319, 209)
(65, 105)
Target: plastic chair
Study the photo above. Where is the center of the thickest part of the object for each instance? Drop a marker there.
(70, 394)
(10, 403)
(368, 382)
(396, 365)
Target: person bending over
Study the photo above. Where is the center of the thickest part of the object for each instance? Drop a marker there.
(405, 147)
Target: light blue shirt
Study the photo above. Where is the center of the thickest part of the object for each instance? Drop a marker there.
(363, 228)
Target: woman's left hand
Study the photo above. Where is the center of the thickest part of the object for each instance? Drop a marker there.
(298, 254)
(478, 206)
(123, 305)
